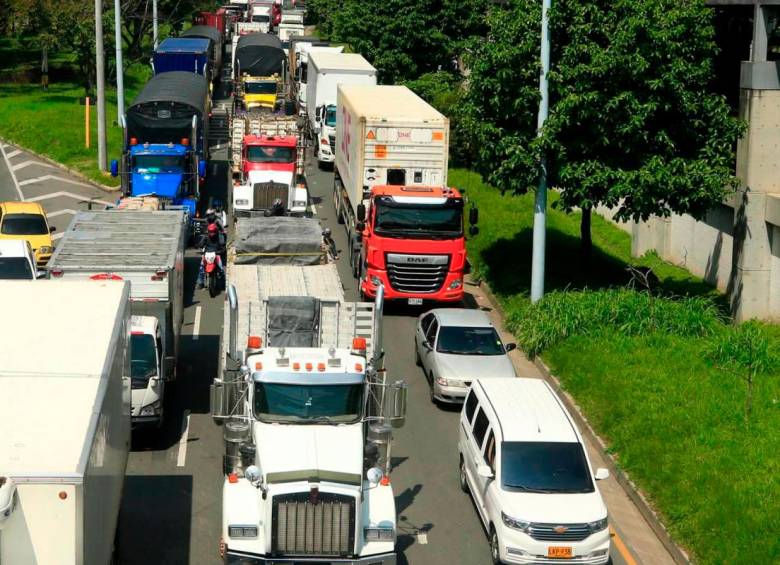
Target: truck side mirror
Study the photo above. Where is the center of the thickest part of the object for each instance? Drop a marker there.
(360, 226)
(361, 212)
(202, 168)
(114, 168)
(473, 230)
(474, 216)
(169, 368)
(398, 397)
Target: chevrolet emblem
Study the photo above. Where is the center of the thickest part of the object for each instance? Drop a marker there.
(560, 529)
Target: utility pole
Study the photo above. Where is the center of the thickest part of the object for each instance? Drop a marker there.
(540, 203)
(120, 78)
(101, 85)
(154, 23)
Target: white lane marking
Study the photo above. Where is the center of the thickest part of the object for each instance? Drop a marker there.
(422, 538)
(24, 164)
(196, 324)
(53, 177)
(11, 172)
(14, 153)
(60, 213)
(314, 209)
(80, 197)
(185, 432)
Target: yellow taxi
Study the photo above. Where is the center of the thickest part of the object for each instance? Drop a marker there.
(27, 220)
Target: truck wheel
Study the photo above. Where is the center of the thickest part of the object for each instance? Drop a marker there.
(417, 360)
(339, 215)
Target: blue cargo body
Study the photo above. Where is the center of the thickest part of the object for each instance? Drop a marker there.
(190, 54)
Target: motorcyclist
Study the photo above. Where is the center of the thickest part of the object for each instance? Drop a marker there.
(211, 242)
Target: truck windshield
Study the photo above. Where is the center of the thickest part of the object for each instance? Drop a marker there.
(260, 87)
(24, 224)
(403, 220)
(143, 360)
(540, 466)
(15, 268)
(261, 18)
(330, 117)
(157, 163)
(308, 404)
(269, 154)
(469, 341)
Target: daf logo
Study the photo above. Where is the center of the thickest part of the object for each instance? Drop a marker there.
(416, 259)
(560, 529)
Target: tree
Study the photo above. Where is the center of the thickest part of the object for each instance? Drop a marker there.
(744, 351)
(404, 38)
(633, 124)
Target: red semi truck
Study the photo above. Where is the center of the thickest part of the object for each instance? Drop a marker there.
(404, 224)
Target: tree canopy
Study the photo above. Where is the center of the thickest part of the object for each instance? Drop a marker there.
(633, 123)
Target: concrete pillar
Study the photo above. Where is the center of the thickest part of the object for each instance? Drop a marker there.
(758, 167)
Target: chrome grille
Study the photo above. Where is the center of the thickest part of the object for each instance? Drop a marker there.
(546, 532)
(301, 527)
(417, 277)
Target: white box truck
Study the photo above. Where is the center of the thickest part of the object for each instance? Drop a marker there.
(326, 72)
(144, 247)
(404, 224)
(64, 420)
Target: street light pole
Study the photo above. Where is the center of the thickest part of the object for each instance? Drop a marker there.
(101, 85)
(540, 203)
(120, 78)
(154, 23)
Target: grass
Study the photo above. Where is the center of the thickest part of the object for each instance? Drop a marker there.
(638, 367)
(52, 123)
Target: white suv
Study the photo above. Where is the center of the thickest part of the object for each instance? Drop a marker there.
(525, 464)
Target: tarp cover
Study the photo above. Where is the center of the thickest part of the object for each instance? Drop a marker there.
(293, 321)
(163, 110)
(206, 32)
(259, 54)
(278, 240)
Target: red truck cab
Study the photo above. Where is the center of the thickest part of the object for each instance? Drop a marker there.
(413, 243)
(269, 153)
(212, 19)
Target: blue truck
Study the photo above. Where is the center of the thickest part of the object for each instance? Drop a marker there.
(166, 140)
(190, 54)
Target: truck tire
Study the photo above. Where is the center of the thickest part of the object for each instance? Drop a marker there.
(337, 204)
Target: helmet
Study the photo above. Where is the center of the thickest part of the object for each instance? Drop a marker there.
(212, 229)
(210, 211)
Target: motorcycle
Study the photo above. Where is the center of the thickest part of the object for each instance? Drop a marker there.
(213, 274)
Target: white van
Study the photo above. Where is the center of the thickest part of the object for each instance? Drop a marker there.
(524, 463)
(17, 261)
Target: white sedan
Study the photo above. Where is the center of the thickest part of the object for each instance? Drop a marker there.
(454, 346)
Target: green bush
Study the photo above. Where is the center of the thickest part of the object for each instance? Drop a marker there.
(562, 314)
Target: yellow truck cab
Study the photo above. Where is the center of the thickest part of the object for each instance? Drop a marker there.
(260, 92)
(27, 220)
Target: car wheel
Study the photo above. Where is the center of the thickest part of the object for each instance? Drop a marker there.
(464, 485)
(417, 360)
(432, 394)
(495, 554)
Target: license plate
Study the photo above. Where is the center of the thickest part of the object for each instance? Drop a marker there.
(559, 552)
(415, 301)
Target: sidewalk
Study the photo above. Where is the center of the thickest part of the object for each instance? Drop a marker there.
(633, 537)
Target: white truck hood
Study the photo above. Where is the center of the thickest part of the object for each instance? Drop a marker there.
(325, 451)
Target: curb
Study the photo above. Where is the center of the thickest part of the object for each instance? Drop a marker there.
(629, 487)
(77, 174)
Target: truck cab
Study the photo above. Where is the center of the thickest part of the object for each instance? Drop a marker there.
(146, 371)
(412, 243)
(259, 93)
(270, 172)
(162, 170)
(274, 504)
(325, 128)
(261, 15)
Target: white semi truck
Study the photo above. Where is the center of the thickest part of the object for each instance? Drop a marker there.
(306, 407)
(299, 50)
(65, 420)
(327, 71)
(146, 248)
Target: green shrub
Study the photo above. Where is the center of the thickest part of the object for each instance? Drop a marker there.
(563, 314)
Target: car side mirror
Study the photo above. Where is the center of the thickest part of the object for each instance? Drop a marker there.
(427, 345)
(40, 274)
(361, 212)
(601, 474)
(52, 229)
(485, 471)
(510, 347)
(114, 168)
(474, 216)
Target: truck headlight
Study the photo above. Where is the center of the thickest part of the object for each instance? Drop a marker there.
(151, 409)
(242, 531)
(299, 204)
(242, 202)
(375, 280)
(45, 250)
(455, 284)
(379, 534)
(599, 525)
